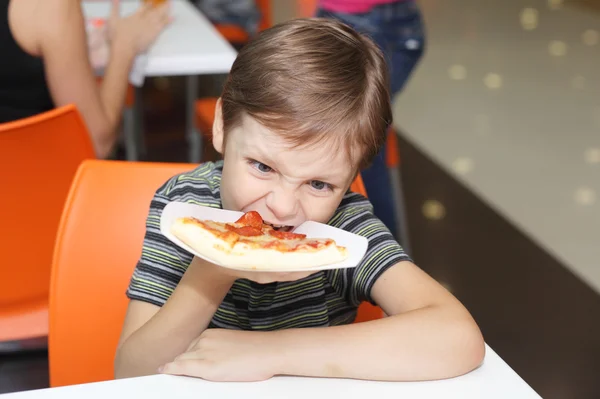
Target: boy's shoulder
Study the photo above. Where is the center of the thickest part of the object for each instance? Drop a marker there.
(199, 185)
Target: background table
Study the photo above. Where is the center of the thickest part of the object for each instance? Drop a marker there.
(189, 46)
(493, 380)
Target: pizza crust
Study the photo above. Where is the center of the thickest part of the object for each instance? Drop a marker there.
(243, 255)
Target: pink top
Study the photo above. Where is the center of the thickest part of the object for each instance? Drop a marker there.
(352, 6)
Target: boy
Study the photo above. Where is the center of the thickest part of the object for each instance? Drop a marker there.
(306, 105)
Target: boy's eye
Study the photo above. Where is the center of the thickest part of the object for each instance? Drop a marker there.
(319, 185)
(261, 167)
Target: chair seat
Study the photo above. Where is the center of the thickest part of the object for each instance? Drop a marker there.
(368, 312)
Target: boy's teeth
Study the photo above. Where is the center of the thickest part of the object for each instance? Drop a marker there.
(281, 227)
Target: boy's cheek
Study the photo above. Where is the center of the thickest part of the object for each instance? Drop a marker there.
(321, 209)
(239, 189)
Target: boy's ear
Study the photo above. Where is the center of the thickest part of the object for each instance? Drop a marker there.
(217, 130)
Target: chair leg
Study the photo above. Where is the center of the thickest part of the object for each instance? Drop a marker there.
(130, 135)
(139, 121)
(25, 345)
(399, 208)
(193, 137)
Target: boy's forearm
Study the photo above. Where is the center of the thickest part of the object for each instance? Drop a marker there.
(425, 344)
(182, 318)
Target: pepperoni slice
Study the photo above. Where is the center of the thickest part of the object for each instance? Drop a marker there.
(247, 231)
(286, 235)
(252, 219)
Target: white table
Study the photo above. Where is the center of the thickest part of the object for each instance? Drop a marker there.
(189, 46)
(494, 379)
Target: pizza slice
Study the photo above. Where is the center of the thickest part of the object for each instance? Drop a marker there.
(253, 244)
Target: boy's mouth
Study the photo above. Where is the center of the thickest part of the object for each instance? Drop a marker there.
(280, 227)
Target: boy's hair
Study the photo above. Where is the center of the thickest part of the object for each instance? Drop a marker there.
(312, 80)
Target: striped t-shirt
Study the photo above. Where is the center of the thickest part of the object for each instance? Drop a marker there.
(326, 298)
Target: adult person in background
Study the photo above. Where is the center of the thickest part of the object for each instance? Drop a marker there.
(397, 28)
(45, 62)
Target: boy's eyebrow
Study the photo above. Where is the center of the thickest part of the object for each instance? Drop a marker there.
(329, 179)
(253, 151)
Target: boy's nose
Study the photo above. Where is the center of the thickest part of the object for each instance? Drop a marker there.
(283, 204)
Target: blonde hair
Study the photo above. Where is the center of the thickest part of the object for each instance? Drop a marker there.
(312, 80)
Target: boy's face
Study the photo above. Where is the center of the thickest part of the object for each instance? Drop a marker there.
(286, 186)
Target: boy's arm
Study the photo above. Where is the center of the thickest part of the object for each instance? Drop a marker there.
(429, 335)
(152, 336)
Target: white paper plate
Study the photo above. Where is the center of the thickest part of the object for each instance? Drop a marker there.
(355, 244)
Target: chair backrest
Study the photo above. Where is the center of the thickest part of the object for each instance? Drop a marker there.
(358, 186)
(39, 157)
(98, 244)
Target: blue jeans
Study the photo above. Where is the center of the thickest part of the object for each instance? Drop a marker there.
(397, 28)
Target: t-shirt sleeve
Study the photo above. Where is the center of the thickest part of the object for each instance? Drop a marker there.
(162, 263)
(356, 216)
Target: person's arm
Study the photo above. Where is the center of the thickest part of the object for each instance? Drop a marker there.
(428, 335)
(152, 336)
(70, 78)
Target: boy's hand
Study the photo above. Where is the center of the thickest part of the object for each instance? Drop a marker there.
(227, 355)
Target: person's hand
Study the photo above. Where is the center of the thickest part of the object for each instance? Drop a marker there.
(228, 355)
(140, 29)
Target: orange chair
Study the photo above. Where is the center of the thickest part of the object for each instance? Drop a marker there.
(237, 35)
(98, 245)
(38, 160)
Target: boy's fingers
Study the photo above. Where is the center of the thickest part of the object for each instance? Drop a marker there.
(193, 355)
(193, 344)
(189, 367)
